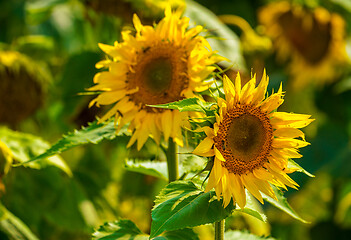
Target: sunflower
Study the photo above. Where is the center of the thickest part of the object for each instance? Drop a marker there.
(23, 86)
(313, 38)
(251, 142)
(157, 65)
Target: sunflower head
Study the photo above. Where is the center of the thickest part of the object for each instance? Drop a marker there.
(312, 38)
(22, 86)
(251, 142)
(154, 65)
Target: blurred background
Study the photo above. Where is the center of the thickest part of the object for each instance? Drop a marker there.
(48, 51)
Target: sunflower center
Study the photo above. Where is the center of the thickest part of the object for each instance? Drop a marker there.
(311, 42)
(244, 138)
(161, 75)
(158, 75)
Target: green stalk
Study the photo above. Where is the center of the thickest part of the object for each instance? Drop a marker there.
(172, 160)
(219, 230)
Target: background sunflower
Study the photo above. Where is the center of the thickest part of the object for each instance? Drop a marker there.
(70, 195)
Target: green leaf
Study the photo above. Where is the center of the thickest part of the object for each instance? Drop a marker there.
(244, 236)
(13, 227)
(181, 204)
(225, 41)
(94, 133)
(126, 230)
(188, 104)
(26, 146)
(121, 229)
(252, 209)
(193, 164)
(152, 168)
(182, 234)
(293, 164)
(282, 204)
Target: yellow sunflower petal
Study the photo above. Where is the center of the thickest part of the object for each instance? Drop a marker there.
(110, 50)
(219, 155)
(177, 129)
(204, 147)
(167, 122)
(217, 169)
(238, 190)
(212, 182)
(261, 89)
(289, 133)
(247, 91)
(228, 87)
(264, 187)
(288, 143)
(237, 87)
(249, 183)
(144, 133)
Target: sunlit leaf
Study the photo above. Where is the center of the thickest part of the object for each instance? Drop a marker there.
(188, 104)
(252, 208)
(282, 204)
(181, 204)
(244, 236)
(25, 146)
(182, 234)
(293, 164)
(193, 164)
(13, 227)
(94, 133)
(121, 229)
(153, 168)
(126, 230)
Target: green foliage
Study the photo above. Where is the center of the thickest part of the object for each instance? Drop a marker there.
(94, 133)
(252, 208)
(13, 226)
(26, 146)
(188, 104)
(126, 229)
(153, 168)
(182, 234)
(121, 229)
(293, 164)
(244, 236)
(182, 204)
(193, 164)
(282, 204)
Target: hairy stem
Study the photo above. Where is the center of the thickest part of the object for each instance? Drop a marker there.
(219, 230)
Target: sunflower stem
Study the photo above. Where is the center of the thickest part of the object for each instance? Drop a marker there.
(172, 160)
(219, 230)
